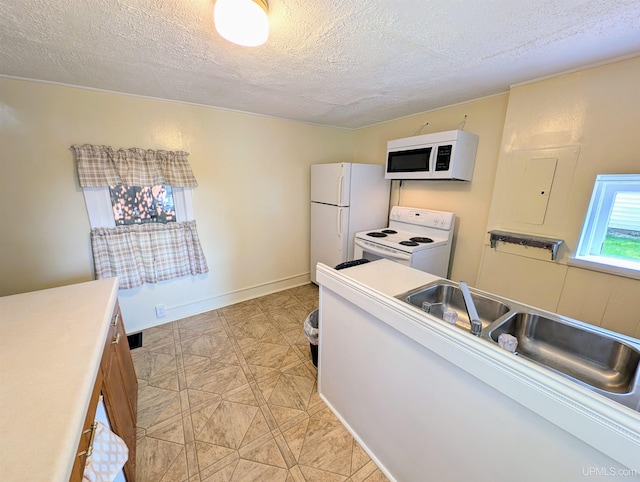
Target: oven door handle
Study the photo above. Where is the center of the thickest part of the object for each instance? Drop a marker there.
(383, 252)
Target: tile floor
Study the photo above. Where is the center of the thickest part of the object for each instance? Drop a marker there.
(231, 395)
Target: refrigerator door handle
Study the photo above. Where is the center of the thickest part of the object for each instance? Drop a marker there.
(340, 190)
(339, 226)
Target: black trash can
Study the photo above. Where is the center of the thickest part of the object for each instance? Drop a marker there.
(314, 354)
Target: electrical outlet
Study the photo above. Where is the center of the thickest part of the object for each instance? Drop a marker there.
(161, 311)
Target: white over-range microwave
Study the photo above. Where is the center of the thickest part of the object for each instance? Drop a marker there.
(438, 156)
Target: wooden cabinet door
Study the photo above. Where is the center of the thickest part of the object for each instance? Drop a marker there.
(125, 363)
(120, 392)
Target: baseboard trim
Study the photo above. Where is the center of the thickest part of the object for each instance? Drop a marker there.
(185, 310)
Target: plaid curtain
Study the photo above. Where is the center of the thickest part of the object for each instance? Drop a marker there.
(147, 253)
(100, 166)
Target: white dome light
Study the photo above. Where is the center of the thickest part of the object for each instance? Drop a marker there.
(243, 22)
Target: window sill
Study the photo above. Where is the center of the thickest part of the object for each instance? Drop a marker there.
(628, 269)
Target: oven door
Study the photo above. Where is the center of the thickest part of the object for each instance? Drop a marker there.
(367, 250)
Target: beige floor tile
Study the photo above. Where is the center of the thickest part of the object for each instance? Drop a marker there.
(274, 335)
(210, 454)
(364, 472)
(154, 458)
(212, 346)
(359, 457)
(251, 327)
(247, 470)
(287, 455)
(295, 475)
(298, 368)
(198, 398)
(177, 471)
(262, 373)
(240, 311)
(168, 381)
(292, 391)
(316, 475)
(215, 377)
(377, 476)
(228, 424)
(156, 404)
(278, 301)
(192, 459)
(295, 437)
(170, 430)
(231, 395)
(157, 337)
(243, 394)
(284, 414)
(265, 354)
(265, 453)
(327, 446)
(202, 322)
(258, 428)
(290, 319)
(222, 470)
(148, 363)
(201, 415)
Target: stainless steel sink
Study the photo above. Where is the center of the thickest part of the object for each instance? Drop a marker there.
(442, 297)
(603, 361)
(594, 358)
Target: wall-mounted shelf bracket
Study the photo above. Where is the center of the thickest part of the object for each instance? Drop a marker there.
(526, 240)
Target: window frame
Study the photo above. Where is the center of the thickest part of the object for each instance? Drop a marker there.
(594, 229)
(100, 209)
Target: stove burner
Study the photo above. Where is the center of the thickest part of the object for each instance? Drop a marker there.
(376, 234)
(408, 243)
(419, 239)
(389, 231)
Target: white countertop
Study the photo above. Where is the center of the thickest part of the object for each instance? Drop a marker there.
(598, 421)
(388, 277)
(51, 344)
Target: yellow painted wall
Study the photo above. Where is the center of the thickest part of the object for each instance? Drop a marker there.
(254, 180)
(251, 206)
(589, 122)
(470, 201)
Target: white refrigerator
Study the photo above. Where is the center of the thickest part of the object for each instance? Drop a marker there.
(345, 198)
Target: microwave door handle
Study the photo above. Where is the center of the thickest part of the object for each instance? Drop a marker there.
(384, 253)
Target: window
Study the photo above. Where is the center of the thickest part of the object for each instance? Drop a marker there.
(140, 205)
(610, 239)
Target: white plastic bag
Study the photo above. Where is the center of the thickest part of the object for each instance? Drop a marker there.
(311, 327)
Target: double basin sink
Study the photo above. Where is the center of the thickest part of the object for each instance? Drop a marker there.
(600, 360)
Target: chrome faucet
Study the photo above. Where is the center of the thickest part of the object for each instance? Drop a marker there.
(474, 319)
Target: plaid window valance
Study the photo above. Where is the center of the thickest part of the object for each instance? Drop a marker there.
(147, 253)
(100, 166)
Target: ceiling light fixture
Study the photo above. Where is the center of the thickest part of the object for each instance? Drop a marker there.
(243, 22)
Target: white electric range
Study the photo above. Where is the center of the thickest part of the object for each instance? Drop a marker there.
(420, 238)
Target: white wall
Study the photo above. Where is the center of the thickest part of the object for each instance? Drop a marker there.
(470, 201)
(254, 181)
(589, 122)
(251, 206)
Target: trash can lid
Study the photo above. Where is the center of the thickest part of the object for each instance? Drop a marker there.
(350, 264)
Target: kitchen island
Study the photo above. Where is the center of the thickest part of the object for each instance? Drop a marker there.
(429, 401)
(60, 349)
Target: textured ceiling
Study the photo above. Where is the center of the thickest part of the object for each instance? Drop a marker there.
(347, 63)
